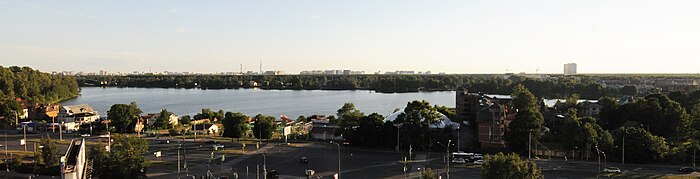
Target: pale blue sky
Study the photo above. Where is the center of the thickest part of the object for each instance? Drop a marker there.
(489, 36)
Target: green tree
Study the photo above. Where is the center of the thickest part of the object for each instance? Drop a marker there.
(348, 117)
(163, 120)
(234, 125)
(501, 166)
(126, 159)
(264, 126)
(629, 90)
(10, 108)
(124, 117)
(185, 120)
(523, 98)
(415, 123)
(428, 174)
(642, 145)
(661, 116)
(49, 152)
(528, 121)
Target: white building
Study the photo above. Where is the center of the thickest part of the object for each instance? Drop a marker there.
(570, 69)
(74, 115)
(74, 164)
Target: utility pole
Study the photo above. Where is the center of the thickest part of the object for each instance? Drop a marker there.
(529, 144)
(53, 121)
(60, 132)
(623, 149)
(458, 141)
(178, 160)
(338, 157)
(404, 168)
(448, 158)
(398, 134)
(25, 137)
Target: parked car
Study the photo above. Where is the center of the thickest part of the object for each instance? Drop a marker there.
(686, 169)
(459, 160)
(612, 170)
(273, 174)
(304, 160)
(218, 146)
(210, 142)
(478, 162)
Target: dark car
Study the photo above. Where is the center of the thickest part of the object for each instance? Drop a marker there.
(686, 169)
(273, 174)
(211, 142)
(304, 160)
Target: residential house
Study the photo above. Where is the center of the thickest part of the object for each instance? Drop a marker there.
(150, 119)
(322, 129)
(202, 121)
(73, 116)
(591, 109)
(206, 129)
(487, 116)
(25, 108)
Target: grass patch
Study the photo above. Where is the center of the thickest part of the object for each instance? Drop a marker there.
(162, 165)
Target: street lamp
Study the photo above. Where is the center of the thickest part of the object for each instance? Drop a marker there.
(338, 157)
(264, 165)
(398, 134)
(447, 149)
(598, 151)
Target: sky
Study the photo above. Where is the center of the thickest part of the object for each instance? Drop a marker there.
(464, 36)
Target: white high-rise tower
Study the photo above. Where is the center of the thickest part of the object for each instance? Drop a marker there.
(570, 69)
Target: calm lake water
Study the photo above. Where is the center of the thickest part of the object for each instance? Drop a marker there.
(254, 101)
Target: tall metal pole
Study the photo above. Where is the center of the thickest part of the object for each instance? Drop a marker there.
(53, 121)
(60, 132)
(623, 148)
(339, 171)
(458, 141)
(448, 158)
(398, 128)
(529, 144)
(178, 160)
(25, 137)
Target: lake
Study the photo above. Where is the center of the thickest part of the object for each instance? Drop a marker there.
(292, 103)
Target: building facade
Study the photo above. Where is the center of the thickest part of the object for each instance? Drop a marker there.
(570, 69)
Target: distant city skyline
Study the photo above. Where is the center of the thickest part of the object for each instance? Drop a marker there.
(456, 37)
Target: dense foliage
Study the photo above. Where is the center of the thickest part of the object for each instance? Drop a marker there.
(124, 117)
(264, 126)
(49, 152)
(235, 125)
(642, 146)
(501, 166)
(528, 121)
(556, 86)
(163, 120)
(126, 159)
(33, 85)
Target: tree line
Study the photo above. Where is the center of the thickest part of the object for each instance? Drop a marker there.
(34, 86)
(553, 87)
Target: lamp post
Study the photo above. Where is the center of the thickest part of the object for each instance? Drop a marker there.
(25, 137)
(596, 148)
(447, 159)
(398, 134)
(338, 157)
(458, 136)
(264, 165)
(178, 160)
